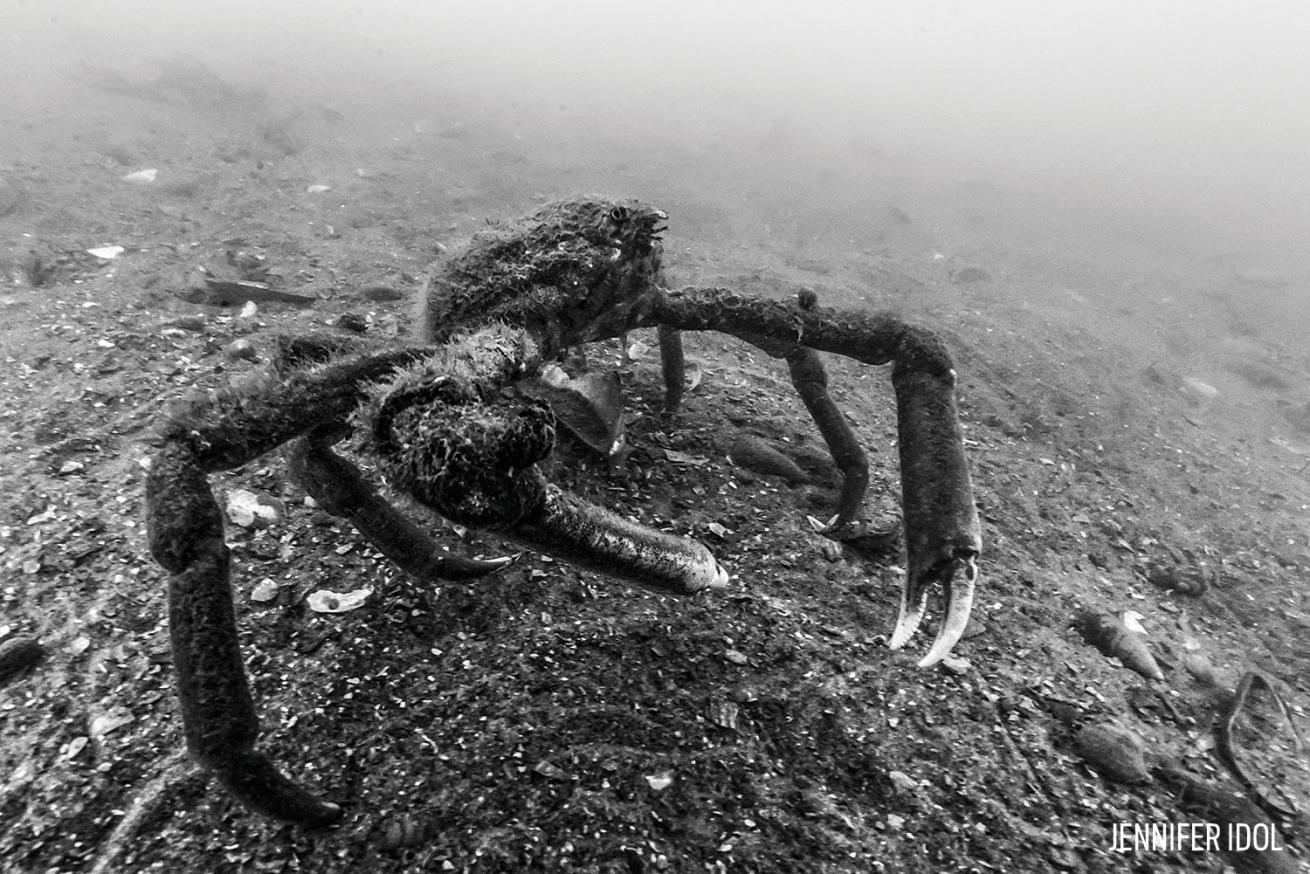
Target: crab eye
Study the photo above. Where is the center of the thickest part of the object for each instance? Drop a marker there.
(619, 214)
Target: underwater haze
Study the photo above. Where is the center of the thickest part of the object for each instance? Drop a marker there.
(1183, 121)
(1076, 231)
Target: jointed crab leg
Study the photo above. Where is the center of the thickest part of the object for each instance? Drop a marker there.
(475, 463)
(811, 382)
(339, 489)
(219, 718)
(941, 523)
(592, 537)
(185, 530)
(673, 366)
(942, 532)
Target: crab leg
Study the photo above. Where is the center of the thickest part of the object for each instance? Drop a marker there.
(185, 532)
(811, 382)
(339, 489)
(475, 463)
(590, 536)
(674, 368)
(942, 532)
(218, 715)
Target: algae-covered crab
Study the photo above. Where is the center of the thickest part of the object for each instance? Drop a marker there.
(434, 415)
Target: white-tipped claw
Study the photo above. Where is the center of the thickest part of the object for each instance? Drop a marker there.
(907, 622)
(819, 526)
(720, 577)
(959, 604)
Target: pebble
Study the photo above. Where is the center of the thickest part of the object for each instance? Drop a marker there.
(17, 655)
(757, 454)
(241, 350)
(189, 323)
(381, 293)
(1114, 752)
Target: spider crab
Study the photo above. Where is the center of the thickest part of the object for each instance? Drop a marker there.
(518, 297)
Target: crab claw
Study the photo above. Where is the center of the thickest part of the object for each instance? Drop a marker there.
(959, 604)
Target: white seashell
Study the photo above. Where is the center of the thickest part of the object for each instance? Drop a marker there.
(324, 601)
(1202, 391)
(264, 591)
(249, 510)
(659, 782)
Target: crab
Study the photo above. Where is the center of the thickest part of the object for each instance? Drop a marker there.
(437, 420)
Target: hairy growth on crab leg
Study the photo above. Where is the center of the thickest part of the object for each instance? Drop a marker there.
(221, 726)
(338, 487)
(185, 531)
(474, 462)
(942, 532)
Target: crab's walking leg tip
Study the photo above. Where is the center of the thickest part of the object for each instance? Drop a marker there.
(819, 526)
(959, 605)
(907, 621)
(328, 813)
(720, 577)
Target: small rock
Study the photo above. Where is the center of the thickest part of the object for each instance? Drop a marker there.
(757, 454)
(324, 601)
(9, 196)
(903, 782)
(1114, 752)
(659, 782)
(352, 322)
(111, 721)
(240, 350)
(1261, 375)
(189, 323)
(724, 714)
(550, 771)
(250, 510)
(1200, 392)
(17, 655)
(963, 275)
(1201, 669)
(265, 590)
(1108, 633)
(737, 658)
(381, 293)
(956, 665)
